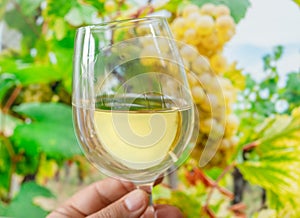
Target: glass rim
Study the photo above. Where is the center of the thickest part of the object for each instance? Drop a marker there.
(108, 24)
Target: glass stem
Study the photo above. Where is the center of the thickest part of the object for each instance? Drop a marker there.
(150, 212)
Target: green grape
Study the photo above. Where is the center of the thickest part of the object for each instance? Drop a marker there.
(190, 36)
(189, 9)
(198, 94)
(221, 10)
(188, 52)
(205, 25)
(224, 23)
(208, 9)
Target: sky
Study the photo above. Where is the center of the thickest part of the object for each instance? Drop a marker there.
(267, 23)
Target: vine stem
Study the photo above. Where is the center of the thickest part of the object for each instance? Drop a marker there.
(14, 159)
(250, 146)
(12, 154)
(215, 186)
(11, 99)
(143, 9)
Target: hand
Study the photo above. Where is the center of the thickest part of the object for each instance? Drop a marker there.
(110, 198)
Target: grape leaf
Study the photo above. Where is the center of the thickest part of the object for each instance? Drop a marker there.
(51, 130)
(3, 4)
(26, 72)
(187, 203)
(283, 209)
(291, 91)
(5, 167)
(297, 2)
(23, 204)
(171, 5)
(238, 9)
(97, 4)
(31, 73)
(14, 19)
(275, 163)
(64, 67)
(29, 7)
(2, 207)
(56, 9)
(59, 28)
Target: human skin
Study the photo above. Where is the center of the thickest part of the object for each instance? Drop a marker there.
(110, 198)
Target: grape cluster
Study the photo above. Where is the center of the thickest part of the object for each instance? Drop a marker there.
(207, 28)
(214, 96)
(41, 92)
(36, 93)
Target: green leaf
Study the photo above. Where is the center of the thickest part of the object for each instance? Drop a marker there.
(160, 192)
(297, 2)
(3, 4)
(51, 130)
(238, 8)
(29, 7)
(2, 207)
(250, 83)
(171, 5)
(291, 91)
(96, 4)
(36, 73)
(5, 167)
(60, 28)
(275, 163)
(64, 67)
(27, 26)
(23, 204)
(187, 203)
(282, 208)
(58, 8)
(31, 73)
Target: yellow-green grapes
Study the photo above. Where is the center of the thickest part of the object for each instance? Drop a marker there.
(208, 28)
(214, 96)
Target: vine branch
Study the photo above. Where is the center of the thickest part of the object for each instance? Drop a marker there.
(7, 143)
(11, 99)
(206, 208)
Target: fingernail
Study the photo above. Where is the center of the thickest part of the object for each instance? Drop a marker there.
(135, 200)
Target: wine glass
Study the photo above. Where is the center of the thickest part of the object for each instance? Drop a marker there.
(133, 111)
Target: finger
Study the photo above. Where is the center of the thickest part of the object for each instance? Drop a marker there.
(93, 198)
(132, 205)
(163, 211)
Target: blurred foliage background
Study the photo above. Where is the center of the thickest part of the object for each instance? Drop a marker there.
(255, 172)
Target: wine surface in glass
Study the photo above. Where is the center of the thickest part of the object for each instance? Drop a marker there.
(140, 132)
(136, 134)
(139, 139)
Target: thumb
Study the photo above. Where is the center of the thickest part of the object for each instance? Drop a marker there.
(131, 205)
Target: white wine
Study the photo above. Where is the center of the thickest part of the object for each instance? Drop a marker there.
(138, 139)
(134, 137)
(132, 109)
